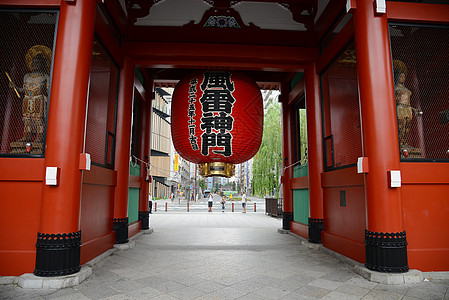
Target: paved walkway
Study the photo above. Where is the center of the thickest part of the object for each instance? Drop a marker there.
(223, 255)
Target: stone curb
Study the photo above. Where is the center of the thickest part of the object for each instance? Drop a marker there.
(31, 281)
(412, 276)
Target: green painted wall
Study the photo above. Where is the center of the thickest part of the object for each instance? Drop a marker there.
(134, 169)
(301, 206)
(133, 196)
(300, 197)
(300, 171)
(133, 205)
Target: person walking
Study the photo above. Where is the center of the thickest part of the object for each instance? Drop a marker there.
(244, 202)
(210, 202)
(223, 203)
(150, 202)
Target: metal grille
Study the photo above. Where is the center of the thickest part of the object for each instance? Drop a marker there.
(341, 116)
(26, 49)
(421, 73)
(101, 114)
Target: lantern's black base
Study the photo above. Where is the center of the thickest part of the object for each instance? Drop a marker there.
(386, 252)
(316, 226)
(120, 226)
(57, 254)
(287, 217)
(144, 218)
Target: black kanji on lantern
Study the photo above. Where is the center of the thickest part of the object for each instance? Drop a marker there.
(224, 140)
(217, 122)
(191, 113)
(217, 80)
(221, 122)
(217, 101)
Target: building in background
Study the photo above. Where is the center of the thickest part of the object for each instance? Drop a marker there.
(160, 145)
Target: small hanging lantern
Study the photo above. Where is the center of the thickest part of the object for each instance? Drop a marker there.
(217, 120)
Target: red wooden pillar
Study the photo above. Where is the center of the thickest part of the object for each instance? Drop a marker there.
(122, 151)
(315, 154)
(287, 158)
(59, 237)
(385, 239)
(145, 149)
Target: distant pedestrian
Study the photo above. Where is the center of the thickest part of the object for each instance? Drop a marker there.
(150, 202)
(223, 203)
(210, 202)
(244, 202)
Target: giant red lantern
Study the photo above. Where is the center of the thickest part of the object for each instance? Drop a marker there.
(217, 120)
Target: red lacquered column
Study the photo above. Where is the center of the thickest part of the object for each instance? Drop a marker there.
(144, 209)
(59, 236)
(287, 160)
(315, 154)
(385, 238)
(122, 151)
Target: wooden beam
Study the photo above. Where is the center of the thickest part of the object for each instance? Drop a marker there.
(198, 55)
(17, 3)
(296, 92)
(328, 17)
(436, 13)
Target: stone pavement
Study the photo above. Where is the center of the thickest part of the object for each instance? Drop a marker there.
(227, 256)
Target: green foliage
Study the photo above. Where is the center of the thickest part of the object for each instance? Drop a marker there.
(303, 135)
(202, 184)
(268, 161)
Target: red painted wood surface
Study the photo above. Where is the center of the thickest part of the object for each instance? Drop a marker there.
(378, 113)
(123, 139)
(66, 118)
(145, 147)
(97, 212)
(352, 249)
(344, 224)
(21, 197)
(299, 229)
(299, 183)
(287, 150)
(411, 12)
(133, 229)
(425, 211)
(314, 142)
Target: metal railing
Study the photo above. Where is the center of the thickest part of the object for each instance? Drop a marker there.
(273, 207)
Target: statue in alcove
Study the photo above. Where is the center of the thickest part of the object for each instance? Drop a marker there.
(405, 112)
(34, 103)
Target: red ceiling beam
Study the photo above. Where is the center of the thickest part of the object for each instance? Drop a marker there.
(328, 17)
(30, 3)
(296, 92)
(418, 12)
(245, 57)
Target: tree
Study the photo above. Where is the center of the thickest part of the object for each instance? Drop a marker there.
(202, 184)
(303, 135)
(268, 160)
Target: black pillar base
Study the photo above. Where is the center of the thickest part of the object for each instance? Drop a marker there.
(386, 252)
(120, 227)
(316, 226)
(287, 217)
(57, 254)
(144, 218)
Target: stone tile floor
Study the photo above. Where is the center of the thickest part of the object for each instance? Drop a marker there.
(226, 256)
